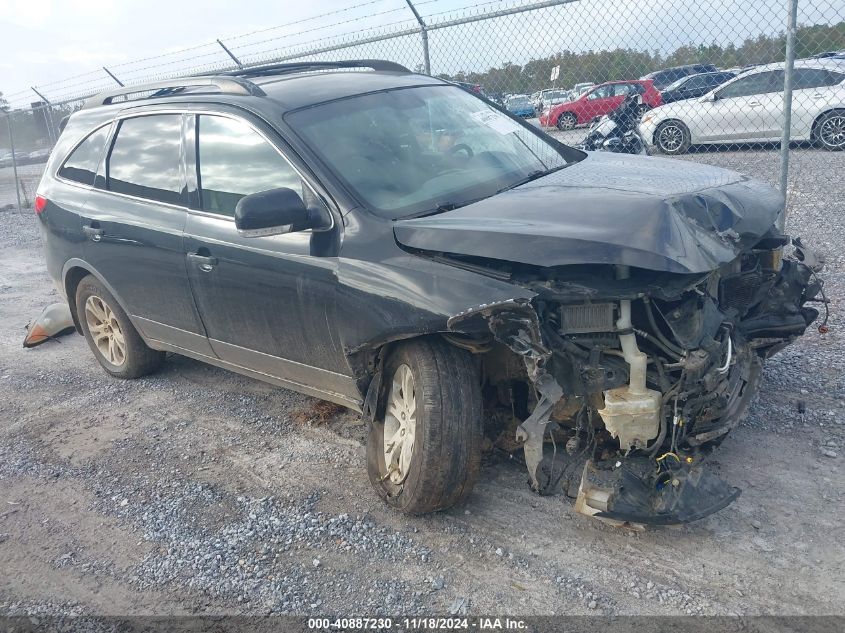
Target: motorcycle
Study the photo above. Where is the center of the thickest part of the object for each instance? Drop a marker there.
(617, 131)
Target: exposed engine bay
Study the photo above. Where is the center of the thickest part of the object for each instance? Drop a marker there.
(616, 382)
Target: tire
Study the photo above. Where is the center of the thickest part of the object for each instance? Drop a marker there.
(443, 464)
(119, 348)
(829, 131)
(566, 121)
(672, 138)
(642, 110)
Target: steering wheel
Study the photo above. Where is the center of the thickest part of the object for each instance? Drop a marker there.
(462, 147)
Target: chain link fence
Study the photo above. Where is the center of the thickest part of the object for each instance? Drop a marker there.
(729, 82)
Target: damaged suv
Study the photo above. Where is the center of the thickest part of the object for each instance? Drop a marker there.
(389, 242)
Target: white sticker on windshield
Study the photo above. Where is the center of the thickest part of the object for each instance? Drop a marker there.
(496, 121)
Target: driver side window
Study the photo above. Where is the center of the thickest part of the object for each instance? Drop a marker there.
(601, 93)
(757, 84)
(233, 161)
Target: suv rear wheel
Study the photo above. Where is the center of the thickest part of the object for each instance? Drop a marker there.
(116, 344)
(424, 454)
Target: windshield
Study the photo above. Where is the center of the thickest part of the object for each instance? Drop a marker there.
(519, 101)
(414, 151)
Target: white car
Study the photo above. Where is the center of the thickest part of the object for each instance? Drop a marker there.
(749, 108)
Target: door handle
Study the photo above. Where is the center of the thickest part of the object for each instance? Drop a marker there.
(818, 96)
(93, 232)
(754, 104)
(203, 262)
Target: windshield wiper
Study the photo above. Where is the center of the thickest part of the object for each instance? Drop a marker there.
(443, 207)
(534, 175)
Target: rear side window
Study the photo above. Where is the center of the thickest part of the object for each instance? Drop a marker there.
(146, 158)
(234, 161)
(806, 78)
(81, 166)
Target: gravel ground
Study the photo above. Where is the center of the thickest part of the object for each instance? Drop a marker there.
(198, 491)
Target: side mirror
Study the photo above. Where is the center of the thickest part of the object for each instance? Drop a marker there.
(709, 97)
(272, 212)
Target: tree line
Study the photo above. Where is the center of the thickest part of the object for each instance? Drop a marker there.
(626, 63)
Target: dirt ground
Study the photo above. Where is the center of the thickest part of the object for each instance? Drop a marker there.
(199, 491)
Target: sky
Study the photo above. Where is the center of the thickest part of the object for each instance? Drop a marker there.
(45, 42)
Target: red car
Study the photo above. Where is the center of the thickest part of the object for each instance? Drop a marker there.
(598, 101)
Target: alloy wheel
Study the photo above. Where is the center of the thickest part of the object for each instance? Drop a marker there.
(566, 122)
(670, 138)
(400, 425)
(105, 331)
(832, 131)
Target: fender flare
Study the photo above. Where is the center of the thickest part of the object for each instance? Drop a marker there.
(75, 263)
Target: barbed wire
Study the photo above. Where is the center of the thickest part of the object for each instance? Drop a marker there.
(71, 87)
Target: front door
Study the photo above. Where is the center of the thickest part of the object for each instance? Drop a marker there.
(598, 102)
(267, 303)
(133, 222)
(745, 109)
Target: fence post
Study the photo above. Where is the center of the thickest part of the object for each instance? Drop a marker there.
(14, 160)
(792, 18)
(52, 135)
(423, 36)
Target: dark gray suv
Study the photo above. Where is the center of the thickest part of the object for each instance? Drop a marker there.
(393, 243)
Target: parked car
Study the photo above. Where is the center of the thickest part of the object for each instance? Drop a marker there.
(597, 102)
(390, 242)
(520, 105)
(693, 86)
(20, 158)
(38, 155)
(549, 98)
(579, 89)
(829, 54)
(749, 108)
(662, 78)
(738, 70)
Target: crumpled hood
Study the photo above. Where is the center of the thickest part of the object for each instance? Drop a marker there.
(654, 213)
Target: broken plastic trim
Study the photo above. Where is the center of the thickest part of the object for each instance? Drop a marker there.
(633, 491)
(55, 320)
(515, 323)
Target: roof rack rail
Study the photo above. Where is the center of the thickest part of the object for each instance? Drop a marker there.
(207, 85)
(296, 67)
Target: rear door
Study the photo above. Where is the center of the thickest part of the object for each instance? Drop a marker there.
(267, 303)
(815, 90)
(133, 222)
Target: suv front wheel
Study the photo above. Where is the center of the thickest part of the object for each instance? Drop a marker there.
(424, 454)
(116, 344)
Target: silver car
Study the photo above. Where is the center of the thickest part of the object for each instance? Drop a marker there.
(749, 109)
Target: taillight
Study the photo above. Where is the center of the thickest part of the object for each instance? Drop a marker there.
(40, 203)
